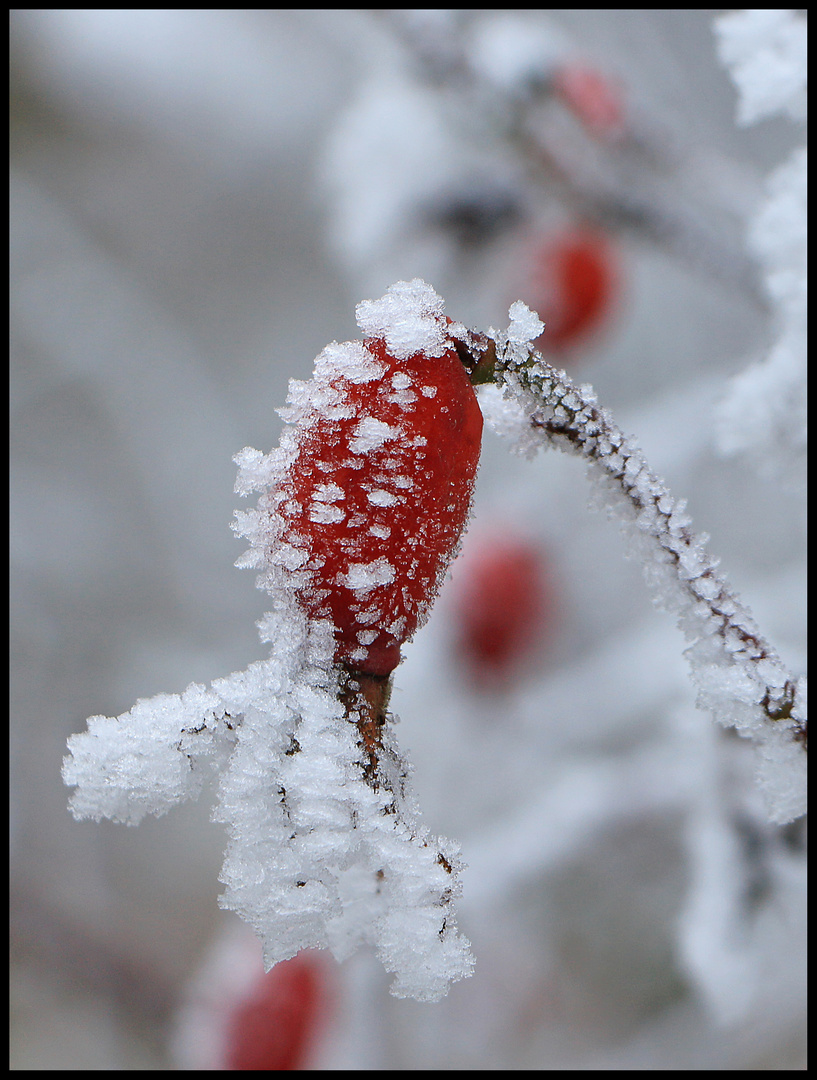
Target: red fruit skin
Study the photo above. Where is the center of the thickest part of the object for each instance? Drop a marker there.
(502, 609)
(274, 1027)
(575, 285)
(403, 507)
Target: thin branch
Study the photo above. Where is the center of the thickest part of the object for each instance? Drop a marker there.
(720, 628)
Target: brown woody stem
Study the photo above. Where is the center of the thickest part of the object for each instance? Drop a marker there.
(365, 699)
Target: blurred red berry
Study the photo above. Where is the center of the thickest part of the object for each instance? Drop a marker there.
(573, 285)
(274, 1026)
(378, 496)
(594, 99)
(501, 608)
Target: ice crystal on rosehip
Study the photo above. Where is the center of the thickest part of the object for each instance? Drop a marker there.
(370, 491)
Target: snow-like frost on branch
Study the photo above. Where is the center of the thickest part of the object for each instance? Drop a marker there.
(766, 51)
(326, 847)
(738, 676)
(764, 413)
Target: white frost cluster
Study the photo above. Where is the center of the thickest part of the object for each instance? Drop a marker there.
(409, 317)
(147, 760)
(525, 325)
(766, 50)
(764, 414)
(319, 856)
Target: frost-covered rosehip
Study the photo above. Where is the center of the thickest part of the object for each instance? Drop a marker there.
(377, 498)
(372, 486)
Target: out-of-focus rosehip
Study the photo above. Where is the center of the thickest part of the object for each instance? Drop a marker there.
(594, 99)
(501, 604)
(378, 494)
(274, 1026)
(573, 286)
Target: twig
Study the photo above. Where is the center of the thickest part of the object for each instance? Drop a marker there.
(722, 632)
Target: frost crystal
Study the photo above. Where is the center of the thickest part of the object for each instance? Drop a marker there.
(409, 317)
(525, 324)
(766, 51)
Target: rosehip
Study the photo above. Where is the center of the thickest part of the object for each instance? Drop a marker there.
(378, 494)
(274, 1026)
(501, 605)
(574, 285)
(593, 98)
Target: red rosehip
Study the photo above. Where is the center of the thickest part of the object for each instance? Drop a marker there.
(594, 99)
(574, 285)
(502, 601)
(377, 497)
(273, 1027)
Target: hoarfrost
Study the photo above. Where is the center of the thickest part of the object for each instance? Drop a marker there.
(326, 847)
(764, 414)
(381, 497)
(363, 577)
(766, 51)
(525, 325)
(409, 317)
(371, 433)
(317, 857)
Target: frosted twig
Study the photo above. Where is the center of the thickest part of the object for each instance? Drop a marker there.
(738, 675)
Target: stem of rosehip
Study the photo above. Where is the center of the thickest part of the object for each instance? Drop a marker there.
(365, 698)
(478, 355)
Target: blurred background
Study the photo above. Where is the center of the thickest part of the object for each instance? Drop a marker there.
(198, 201)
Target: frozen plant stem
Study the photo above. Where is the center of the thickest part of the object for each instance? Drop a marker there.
(738, 675)
(365, 698)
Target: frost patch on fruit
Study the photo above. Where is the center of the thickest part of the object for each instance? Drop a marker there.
(371, 433)
(363, 577)
(408, 317)
(381, 497)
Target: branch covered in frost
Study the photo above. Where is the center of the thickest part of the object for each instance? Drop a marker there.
(326, 848)
(149, 759)
(738, 675)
